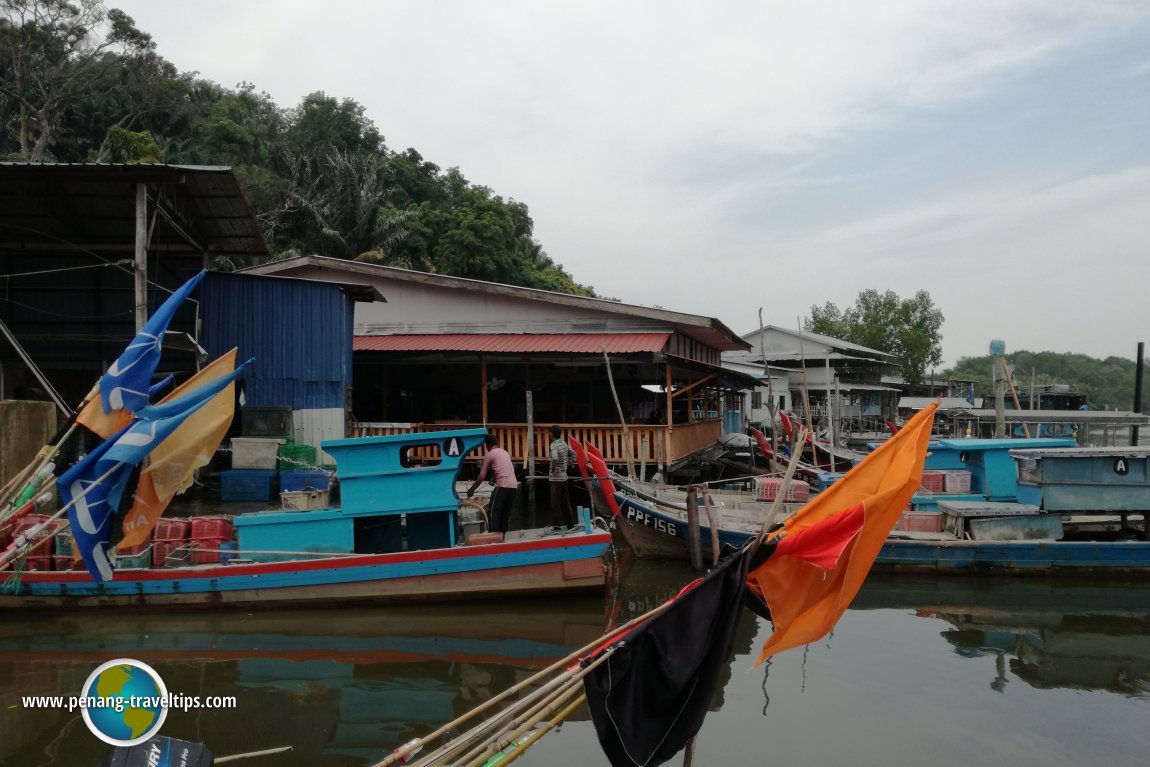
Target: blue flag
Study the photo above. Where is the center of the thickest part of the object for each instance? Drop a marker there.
(970, 396)
(126, 384)
(97, 482)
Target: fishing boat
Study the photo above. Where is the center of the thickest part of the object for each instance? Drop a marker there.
(398, 535)
(1035, 506)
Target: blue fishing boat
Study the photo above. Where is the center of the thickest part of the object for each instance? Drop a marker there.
(396, 536)
(1034, 506)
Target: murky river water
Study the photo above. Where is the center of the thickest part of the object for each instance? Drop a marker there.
(936, 671)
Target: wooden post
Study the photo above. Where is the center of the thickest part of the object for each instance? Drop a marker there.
(667, 394)
(483, 388)
(660, 438)
(141, 268)
(530, 457)
(999, 401)
(643, 460)
(712, 518)
(693, 528)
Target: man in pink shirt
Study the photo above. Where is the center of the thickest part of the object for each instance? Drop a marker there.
(503, 494)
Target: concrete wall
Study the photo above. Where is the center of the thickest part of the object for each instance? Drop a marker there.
(25, 427)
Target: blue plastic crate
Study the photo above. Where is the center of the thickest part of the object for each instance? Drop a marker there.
(247, 485)
(295, 481)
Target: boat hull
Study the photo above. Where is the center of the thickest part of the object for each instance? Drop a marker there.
(551, 564)
(1032, 557)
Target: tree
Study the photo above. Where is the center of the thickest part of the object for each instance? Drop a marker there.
(910, 329)
(47, 48)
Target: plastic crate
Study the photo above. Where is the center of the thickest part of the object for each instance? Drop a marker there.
(255, 452)
(171, 529)
(957, 481)
(63, 563)
(170, 553)
(797, 492)
(247, 485)
(294, 457)
(206, 551)
(64, 546)
(934, 480)
(137, 560)
(920, 522)
(38, 562)
(295, 481)
(265, 420)
(211, 527)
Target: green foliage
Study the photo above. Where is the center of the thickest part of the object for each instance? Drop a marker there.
(910, 329)
(79, 82)
(132, 146)
(1107, 383)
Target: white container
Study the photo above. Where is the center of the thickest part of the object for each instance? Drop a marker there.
(255, 452)
(304, 500)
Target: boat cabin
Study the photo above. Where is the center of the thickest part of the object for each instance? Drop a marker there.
(397, 494)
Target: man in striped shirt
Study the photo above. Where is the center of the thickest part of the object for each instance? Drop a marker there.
(562, 514)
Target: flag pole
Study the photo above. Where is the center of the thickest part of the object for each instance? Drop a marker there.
(25, 538)
(784, 487)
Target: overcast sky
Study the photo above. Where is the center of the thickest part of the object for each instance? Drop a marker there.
(720, 157)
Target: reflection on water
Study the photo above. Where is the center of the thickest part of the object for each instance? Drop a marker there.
(345, 686)
(1086, 635)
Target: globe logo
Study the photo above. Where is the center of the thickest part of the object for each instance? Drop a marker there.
(125, 702)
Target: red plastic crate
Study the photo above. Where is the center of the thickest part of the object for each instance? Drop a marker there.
(42, 562)
(133, 551)
(933, 480)
(65, 562)
(920, 522)
(797, 492)
(211, 527)
(32, 520)
(206, 551)
(177, 549)
(172, 529)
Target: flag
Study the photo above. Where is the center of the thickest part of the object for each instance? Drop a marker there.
(126, 384)
(171, 466)
(651, 695)
(970, 395)
(829, 545)
(96, 483)
(92, 415)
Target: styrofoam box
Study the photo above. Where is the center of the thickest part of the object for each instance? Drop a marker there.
(304, 500)
(255, 452)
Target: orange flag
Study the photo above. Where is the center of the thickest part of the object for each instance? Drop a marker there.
(831, 543)
(173, 463)
(104, 424)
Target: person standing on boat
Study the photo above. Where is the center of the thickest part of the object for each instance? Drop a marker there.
(498, 461)
(562, 514)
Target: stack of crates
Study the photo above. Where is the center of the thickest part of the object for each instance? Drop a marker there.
(41, 557)
(170, 542)
(134, 557)
(797, 491)
(934, 481)
(206, 536)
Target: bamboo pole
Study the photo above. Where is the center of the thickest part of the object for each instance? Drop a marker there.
(250, 754)
(777, 504)
(693, 528)
(712, 518)
(1013, 392)
(627, 451)
(518, 751)
(402, 753)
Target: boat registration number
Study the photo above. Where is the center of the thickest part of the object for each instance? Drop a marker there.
(650, 520)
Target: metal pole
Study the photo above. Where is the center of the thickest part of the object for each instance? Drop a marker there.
(141, 270)
(1134, 435)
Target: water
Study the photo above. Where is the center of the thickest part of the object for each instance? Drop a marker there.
(942, 671)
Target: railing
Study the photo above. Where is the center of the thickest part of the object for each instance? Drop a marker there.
(677, 442)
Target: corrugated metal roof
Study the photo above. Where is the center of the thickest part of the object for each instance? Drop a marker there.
(574, 343)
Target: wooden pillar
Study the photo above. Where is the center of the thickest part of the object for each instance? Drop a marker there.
(483, 388)
(141, 267)
(667, 393)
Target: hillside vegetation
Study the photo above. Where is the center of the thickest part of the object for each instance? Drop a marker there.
(1107, 383)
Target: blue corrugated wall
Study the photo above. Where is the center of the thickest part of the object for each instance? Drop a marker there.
(299, 332)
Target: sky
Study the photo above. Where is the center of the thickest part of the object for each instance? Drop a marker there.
(718, 158)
